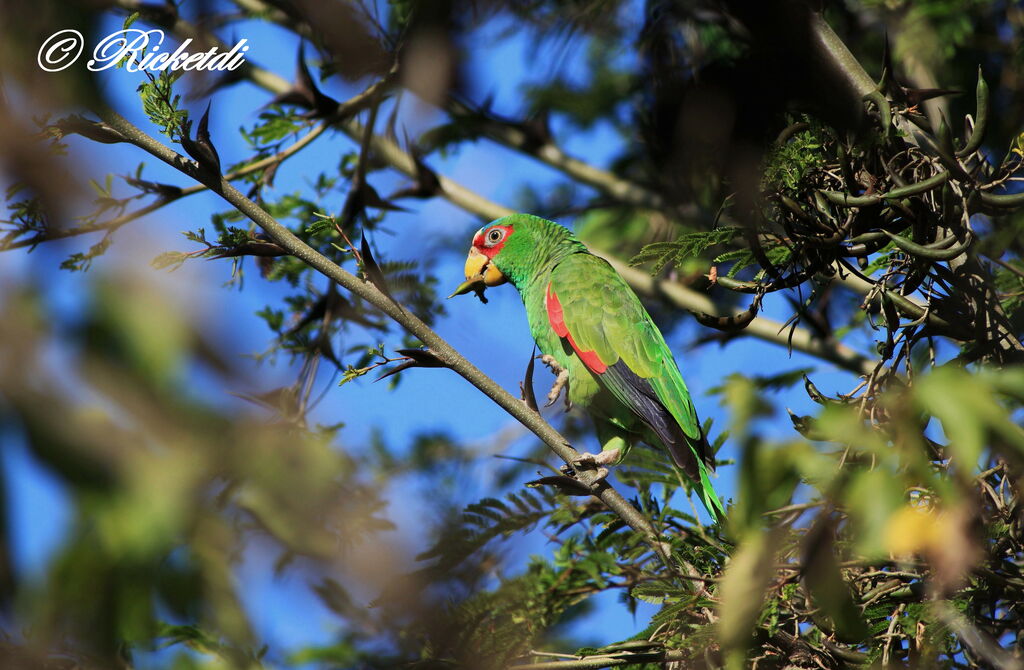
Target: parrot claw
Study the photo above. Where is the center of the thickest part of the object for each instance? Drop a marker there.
(560, 382)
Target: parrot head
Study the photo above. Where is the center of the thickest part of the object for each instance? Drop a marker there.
(511, 249)
(482, 268)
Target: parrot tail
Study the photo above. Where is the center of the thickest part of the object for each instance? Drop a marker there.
(695, 458)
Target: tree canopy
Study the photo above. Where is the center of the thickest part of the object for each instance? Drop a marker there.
(839, 180)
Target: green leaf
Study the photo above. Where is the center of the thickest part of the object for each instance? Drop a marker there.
(171, 260)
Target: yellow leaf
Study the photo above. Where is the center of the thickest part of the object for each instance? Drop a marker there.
(911, 530)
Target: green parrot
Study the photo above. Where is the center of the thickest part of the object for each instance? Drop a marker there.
(600, 341)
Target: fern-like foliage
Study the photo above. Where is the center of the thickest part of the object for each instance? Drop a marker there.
(487, 520)
(686, 246)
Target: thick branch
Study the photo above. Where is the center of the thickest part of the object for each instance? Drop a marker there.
(839, 54)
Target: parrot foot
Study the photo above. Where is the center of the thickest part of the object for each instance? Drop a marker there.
(588, 460)
(561, 381)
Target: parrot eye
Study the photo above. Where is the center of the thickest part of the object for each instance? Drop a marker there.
(495, 235)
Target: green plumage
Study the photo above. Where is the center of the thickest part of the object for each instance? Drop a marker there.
(631, 384)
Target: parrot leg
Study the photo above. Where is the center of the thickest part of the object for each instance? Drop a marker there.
(561, 380)
(615, 443)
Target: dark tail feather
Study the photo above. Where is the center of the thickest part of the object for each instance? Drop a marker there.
(678, 446)
(685, 451)
(693, 456)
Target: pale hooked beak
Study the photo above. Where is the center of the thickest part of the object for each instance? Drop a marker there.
(480, 273)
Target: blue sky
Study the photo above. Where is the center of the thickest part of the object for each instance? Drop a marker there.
(494, 336)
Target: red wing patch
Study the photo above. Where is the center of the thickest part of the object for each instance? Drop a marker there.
(557, 320)
(555, 315)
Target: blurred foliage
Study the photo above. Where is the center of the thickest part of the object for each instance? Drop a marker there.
(885, 529)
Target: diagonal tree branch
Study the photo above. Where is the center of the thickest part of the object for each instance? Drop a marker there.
(112, 225)
(367, 291)
(549, 153)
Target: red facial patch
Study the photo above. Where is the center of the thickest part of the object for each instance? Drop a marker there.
(487, 248)
(557, 320)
